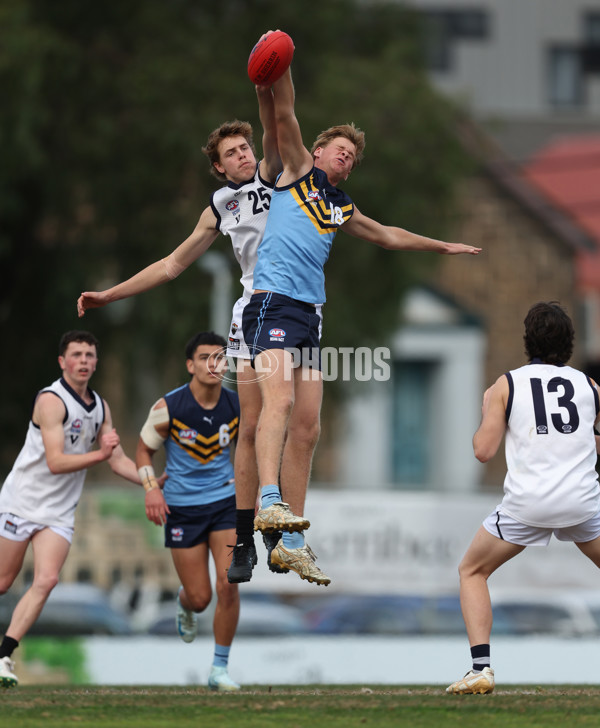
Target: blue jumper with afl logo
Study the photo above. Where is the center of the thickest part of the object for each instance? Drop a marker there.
(198, 457)
(303, 221)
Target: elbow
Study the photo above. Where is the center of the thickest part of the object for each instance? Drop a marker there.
(54, 467)
(482, 456)
(482, 450)
(483, 453)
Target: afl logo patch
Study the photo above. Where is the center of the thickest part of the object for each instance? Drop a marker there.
(233, 206)
(277, 333)
(177, 533)
(313, 196)
(76, 426)
(188, 434)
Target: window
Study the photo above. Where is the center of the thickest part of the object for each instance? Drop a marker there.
(590, 53)
(565, 77)
(442, 28)
(411, 422)
(591, 29)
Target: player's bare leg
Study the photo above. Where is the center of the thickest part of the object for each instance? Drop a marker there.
(277, 390)
(244, 556)
(227, 612)
(302, 437)
(303, 433)
(485, 554)
(49, 554)
(12, 554)
(246, 469)
(591, 549)
(195, 593)
(292, 552)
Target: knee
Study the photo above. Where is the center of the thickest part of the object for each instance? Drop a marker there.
(277, 404)
(282, 406)
(5, 584)
(199, 600)
(247, 432)
(227, 594)
(306, 433)
(45, 583)
(467, 570)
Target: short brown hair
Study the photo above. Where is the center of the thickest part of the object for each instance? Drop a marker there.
(348, 131)
(78, 337)
(226, 130)
(549, 333)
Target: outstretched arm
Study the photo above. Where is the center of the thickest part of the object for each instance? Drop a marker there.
(159, 272)
(271, 164)
(296, 158)
(488, 437)
(395, 238)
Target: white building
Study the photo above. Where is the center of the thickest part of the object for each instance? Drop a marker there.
(516, 57)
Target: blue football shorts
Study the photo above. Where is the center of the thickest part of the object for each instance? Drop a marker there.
(188, 526)
(274, 321)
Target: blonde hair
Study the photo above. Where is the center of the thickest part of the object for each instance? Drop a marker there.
(347, 131)
(226, 130)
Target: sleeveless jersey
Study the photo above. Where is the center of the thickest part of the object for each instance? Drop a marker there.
(241, 212)
(304, 219)
(550, 447)
(198, 448)
(30, 490)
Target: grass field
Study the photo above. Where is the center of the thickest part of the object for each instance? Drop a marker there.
(306, 707)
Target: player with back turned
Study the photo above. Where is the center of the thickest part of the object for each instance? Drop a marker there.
(547, 410)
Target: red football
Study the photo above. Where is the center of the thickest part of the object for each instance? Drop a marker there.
(270, 58)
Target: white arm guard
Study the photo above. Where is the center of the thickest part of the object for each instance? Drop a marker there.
(148, 433)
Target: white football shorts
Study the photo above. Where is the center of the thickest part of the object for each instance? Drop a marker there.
(236, 344)
(15, 528)
(506, 528)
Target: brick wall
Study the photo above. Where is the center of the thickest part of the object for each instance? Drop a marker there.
(522, 262)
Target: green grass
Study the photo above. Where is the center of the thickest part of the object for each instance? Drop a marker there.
(67, 654)
(305, 707)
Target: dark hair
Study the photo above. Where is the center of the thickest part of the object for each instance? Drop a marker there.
(549, 333)
(204, 338)
(78, 336)
(226, 130)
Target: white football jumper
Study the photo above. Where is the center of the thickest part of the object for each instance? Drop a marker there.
(30, 490)
(551, 481)
(241, 211)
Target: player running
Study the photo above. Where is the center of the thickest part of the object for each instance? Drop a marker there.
(41, 492)
(197, 424)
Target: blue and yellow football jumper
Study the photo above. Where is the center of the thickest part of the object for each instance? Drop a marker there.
(303, 221)
(198, 455)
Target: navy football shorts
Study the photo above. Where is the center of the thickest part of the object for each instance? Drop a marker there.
(188, 526)
(274, 321)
